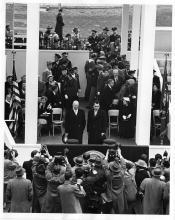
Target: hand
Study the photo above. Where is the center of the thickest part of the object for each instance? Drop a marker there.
(98, 93)
(102, 134)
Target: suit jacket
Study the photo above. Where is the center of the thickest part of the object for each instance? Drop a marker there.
(27, 165)
(7, 110)
(54, 99)
(75, 124)
(56, 71)
(106, 98)
(69, 195)
(96, 125)
(19, 192)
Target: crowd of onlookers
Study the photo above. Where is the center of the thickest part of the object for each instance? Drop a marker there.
(93, 184)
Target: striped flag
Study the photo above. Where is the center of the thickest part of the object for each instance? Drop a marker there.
(15, 102)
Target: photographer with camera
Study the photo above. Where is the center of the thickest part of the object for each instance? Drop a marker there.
(55, 176)
(114, 166)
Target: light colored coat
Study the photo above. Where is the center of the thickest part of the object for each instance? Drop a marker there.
(153, 190)
(19, 192)
(69, 195)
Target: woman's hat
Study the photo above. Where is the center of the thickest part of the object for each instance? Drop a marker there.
(127, 99)
(141, 163)
(114, 28)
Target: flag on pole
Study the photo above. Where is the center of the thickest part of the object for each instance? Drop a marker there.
(15, 101)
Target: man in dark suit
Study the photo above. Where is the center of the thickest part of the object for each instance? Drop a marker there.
(56, 67)
(107, 96)
(27, 165)
(54, 97)
(64, 61)
(75, 122)
(96, 124)
(93, 40)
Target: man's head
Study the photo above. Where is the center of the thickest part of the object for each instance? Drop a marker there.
(115, 72)
(114, 29)
(68, 175)
(111, 82)
(9, 79)
(94, 33)
(8, 97)
(55, 88)
(96, 106)
(105, 30)
(43, 99)
(57, 57)
(33, 153)
(64, 55)
(75, 105)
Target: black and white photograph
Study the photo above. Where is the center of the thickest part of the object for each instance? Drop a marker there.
(87, 110)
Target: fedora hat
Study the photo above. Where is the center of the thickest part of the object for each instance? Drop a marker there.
(78, 160)
(114, 28)
(114, 167)
(157, 172)
(49, 27)
(141, 163)
(20, 171)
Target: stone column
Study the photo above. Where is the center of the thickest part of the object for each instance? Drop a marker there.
(32, 57)
(124, 29)
(144, 99)
(135, 37)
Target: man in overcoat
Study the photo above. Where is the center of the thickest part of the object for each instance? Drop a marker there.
(59, 24)
(19, 192)
(96, 124)
(75, 122)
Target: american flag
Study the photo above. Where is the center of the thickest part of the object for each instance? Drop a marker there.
(15, 102)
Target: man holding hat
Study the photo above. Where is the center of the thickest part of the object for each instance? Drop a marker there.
(19, 192)
(153, 190)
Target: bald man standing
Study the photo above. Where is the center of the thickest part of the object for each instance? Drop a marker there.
(75, 122)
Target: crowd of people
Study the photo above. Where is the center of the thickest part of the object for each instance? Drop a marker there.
(110, 84)
(93, 184)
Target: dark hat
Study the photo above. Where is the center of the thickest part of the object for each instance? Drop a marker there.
(114, 28)
(114, 167)
(141, 163)
(94, 31)
(78, 160)
(157, 172)
(57, 55)
(105, 29)
(49, 27)
(72, 141)
(56, 169)
(154, 70)
(68, 35)
(75, 29)
(86, 156)
(65, 53)
(20, 171)
(60, 10)
(40, 169)
(121, 65)
(109, 141)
